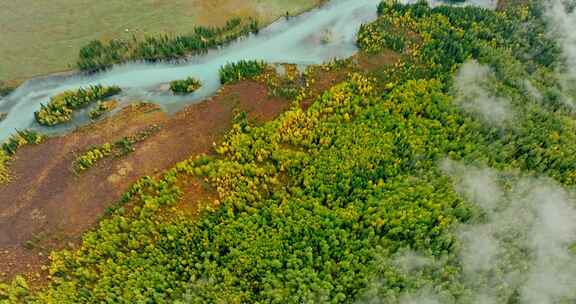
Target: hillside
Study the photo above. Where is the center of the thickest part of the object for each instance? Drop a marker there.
(438, 169)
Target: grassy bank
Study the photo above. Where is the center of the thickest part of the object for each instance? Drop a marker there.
(42, 37)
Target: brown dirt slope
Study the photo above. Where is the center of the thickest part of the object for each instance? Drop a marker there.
(46, 204)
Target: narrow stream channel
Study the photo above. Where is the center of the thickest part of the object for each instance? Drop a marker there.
(298, 40)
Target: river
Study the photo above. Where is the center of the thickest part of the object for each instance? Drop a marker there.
(297, 40)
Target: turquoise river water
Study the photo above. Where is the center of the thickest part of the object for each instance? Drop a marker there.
(298, 40)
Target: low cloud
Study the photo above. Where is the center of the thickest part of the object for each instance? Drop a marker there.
(522, 247)
(562, 24)
(532, 91)
(409, 261)
(422, 297)
(516, 248)
(472, 94)
(479, 185)
(562, 17)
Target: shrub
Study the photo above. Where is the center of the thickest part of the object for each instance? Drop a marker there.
(372, 38)
(289, 84)
(60, 108)
(186, 86)
(88, 159)
(241, 70)
(101, 108)
(21, 138)
(5, 89)
(4, 175)
(11, 146)
(121, 147)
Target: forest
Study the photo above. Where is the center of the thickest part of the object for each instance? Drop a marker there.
(353, 199)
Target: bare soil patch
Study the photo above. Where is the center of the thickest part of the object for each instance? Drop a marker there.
(373, 62)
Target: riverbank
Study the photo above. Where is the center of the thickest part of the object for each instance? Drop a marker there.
(298, 40)
(42, 38)
(53, 206)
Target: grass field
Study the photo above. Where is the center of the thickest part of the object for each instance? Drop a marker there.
(40, 37)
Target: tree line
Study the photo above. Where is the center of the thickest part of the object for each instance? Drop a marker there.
(99, 55)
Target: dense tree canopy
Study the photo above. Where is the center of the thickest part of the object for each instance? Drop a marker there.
(313, 206)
